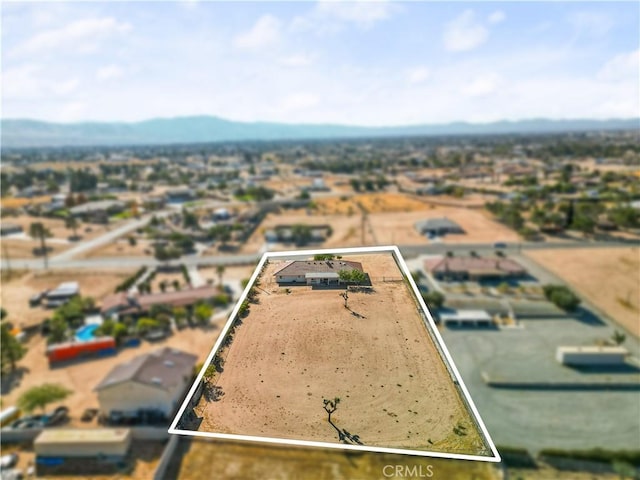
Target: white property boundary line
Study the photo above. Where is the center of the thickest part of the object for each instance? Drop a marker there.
(283, 441)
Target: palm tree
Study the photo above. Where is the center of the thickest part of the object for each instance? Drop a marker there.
(38, 230)
(71, 223)
(220, 271)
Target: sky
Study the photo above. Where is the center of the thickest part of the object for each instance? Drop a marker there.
(358, 63)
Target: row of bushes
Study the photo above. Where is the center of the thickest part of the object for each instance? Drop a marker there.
(130, 281)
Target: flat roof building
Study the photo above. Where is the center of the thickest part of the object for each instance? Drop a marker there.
(466, 318)
(591, 355)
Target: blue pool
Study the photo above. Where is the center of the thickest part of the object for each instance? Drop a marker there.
(86, 333)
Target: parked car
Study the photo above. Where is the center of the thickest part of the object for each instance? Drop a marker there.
(59, 415)
(89, 414)
(37, 298)
(8, 461)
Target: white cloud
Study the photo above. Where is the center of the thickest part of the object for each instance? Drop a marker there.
(65, 87)
(622, 66)
(296, 60)
(265, 32)
(21, 82)
(418, 75)
(77, 34)
(109, 72)
(364, 14)
(594, 24)
(300, 101)
(482, 85)
(329, 16)
(464, 33)
(496, 17)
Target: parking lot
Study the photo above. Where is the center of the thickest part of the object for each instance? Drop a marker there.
(538, 419)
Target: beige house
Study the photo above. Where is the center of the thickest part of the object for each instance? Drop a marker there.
(156, 381)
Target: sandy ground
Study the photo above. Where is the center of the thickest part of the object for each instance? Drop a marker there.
(15, 294)
(387, 227)
(608, 277)
(121, 248)
(201, 459)
(381, 362)
(59, 241)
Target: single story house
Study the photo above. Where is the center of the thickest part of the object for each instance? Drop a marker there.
(124, 303)
(474, 268)
(10, 228)
(179, 195)
(62, 294)
(98, 211)
(315, 272)
(156, 381)
(438, 226)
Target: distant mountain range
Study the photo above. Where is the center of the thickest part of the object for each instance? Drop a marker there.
(18, 133)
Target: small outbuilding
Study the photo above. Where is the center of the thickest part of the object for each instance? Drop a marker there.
(83, 442)
(466, 318)
(591, 355)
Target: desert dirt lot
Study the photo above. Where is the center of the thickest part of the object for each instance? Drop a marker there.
(121, 248)
(294, 349)
(15, 294)
(608, 277)
(388, 223)
(201, 459)
(23, 245)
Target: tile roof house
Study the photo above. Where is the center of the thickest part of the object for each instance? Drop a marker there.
(135, 304)
(474, 268)
(153, 381)
(314, 272)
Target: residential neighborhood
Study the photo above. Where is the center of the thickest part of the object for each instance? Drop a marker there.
(326, 239)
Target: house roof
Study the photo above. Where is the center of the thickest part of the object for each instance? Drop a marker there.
(99, 205)
(141, 303)
(303, 267)
(65, 289)
(437, 224)
(82, 435)
(474, 265)
(164, 368)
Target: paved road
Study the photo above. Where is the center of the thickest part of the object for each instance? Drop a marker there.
(104, 239)
(65, 260)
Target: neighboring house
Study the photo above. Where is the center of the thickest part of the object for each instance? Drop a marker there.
(62, 294)
(286, 233)
(154, 381)
(9, 228)
(474, 268)
(438, 226)
(310, 272)
(99, 211)
(138, 304)
(180, 195)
